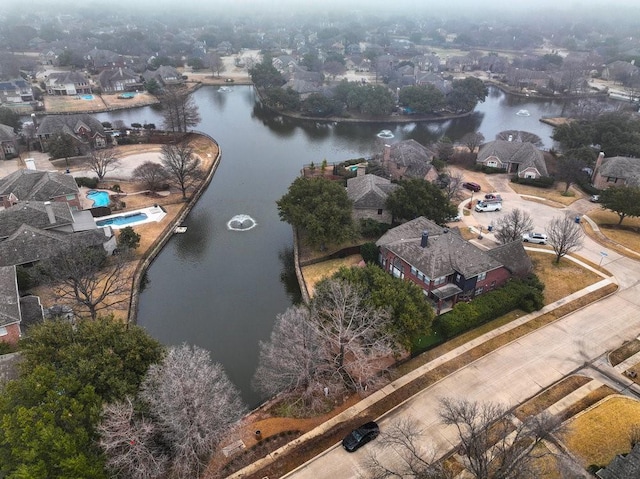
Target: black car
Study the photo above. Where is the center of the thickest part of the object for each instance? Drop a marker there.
(360, 436)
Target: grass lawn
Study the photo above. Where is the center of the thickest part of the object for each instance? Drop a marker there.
(626, 234)
(550, 396)
(554, 194)
(596, 436)
(315, 272)
(624, 352)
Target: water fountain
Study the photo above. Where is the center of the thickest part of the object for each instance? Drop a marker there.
(523, 113)
(385, 134)
(241, 223)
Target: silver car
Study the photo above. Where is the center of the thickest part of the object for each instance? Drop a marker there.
(531, 237)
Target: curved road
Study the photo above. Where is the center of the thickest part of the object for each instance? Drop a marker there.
(520, 369)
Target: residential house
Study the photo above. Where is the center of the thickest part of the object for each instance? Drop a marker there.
(427, 62)
(303, 81)
(164, 75)
(520, 158)
(435, 79)
(119, 79)
(34, 185)
(620, 71)
(369, 196)
(526, 78)
(15, 92)
(623, 466)
(284, 63)
(616, 171)
(408, 159)
(67, 83)
(98, 60)
(458, 64)
(8, 142)
(445, 266)
(86, 131)
(493, 63)
(9, 306)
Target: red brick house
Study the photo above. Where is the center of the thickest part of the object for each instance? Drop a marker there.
(35, 185)
(616, 171)
(447, 267)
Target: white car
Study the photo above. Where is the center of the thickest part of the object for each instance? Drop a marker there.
(539, 238)
(483, 206)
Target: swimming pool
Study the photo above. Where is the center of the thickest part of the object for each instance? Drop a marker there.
(127, 95)
(99, 198)
(123, 220)
(86, 97)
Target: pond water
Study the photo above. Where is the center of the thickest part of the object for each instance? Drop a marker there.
(221, 289)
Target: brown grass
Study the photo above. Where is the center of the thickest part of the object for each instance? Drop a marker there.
(550, 396)
(624, 352)
(545, 463)
(586, 402)
(551, 195)
(316, 272)
(72, 104)
(625, 234)
(596, 436)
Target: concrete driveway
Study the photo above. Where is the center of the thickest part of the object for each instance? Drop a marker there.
(518, 370)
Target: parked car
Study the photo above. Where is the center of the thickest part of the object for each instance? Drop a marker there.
(483, 206)
(595, 199)
(453, 219)
(531, 237)
(229, 80)
(491, 196)
(470, 185)
(360, 436)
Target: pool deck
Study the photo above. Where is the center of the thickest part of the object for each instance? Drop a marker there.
(154, 213)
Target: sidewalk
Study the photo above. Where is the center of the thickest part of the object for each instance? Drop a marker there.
(381, 394)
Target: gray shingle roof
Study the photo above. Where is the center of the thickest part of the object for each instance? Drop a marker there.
(369, 191)
(9, 305)
(33, 213)
(621, 167)
(37, 185)
(514, 257)
(412, 155)
(446, 252)
(623, 467)
(54, 124)
(62, 78)
(108, 78)
(523, 153)
(28, 244)
(7, 134)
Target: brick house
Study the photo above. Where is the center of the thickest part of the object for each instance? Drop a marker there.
(8, 143)
(408, 159)
(520, 158)
(34, 185)
(67, 83)
(86, 131)
(616, 171)
(119, 79)
(369, 195)
(447, 267)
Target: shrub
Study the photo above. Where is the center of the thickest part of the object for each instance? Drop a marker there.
(489, 170)
(369, 252)
(136, 125)
(544, 182)
(116, 188)
(26, 280)
(370, 228)
(88, 182)
(524, 294)
(438, 164)
(128, 238)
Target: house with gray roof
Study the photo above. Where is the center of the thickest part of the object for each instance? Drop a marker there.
(616, 171)
(85, 130)
(119, 79)
(447, 267)
(8, 143)
(409, 159)
(44, 215)
(15, 92)
(623, 466)
(164, 75)
(35, 185)
(9, 306)
(519, 158)
(28, 245)
(67, 83)
(369, 196)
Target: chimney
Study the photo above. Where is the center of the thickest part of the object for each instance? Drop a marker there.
(510, 137)
(424, 241)
(597, 167)
(50, 214)
(34, 119)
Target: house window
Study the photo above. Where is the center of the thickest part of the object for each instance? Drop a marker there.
(414, 271)
(420, 276)
(439, 280)
(478, 291)
(458, 277)
(3, 331)
(380, 211)
(492, 163)
(70, 197)
(611, 179)
(493, 284)
(482, 276)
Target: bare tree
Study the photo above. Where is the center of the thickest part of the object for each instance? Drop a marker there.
(512, 225)
(336, 344)
(472, 140)
(494, 446)
(215, 62)
(102, 161)
(178, 109)
(414, 461)
(565, 236)
(151, 175)
(195, 403)
(90, 278)
(452, 186)
(129, 442)
(182, 165)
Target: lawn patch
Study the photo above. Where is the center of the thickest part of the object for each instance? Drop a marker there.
(624, 352)
(550, 396)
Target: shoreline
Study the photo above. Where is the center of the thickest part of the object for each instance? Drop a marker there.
(160, 242)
